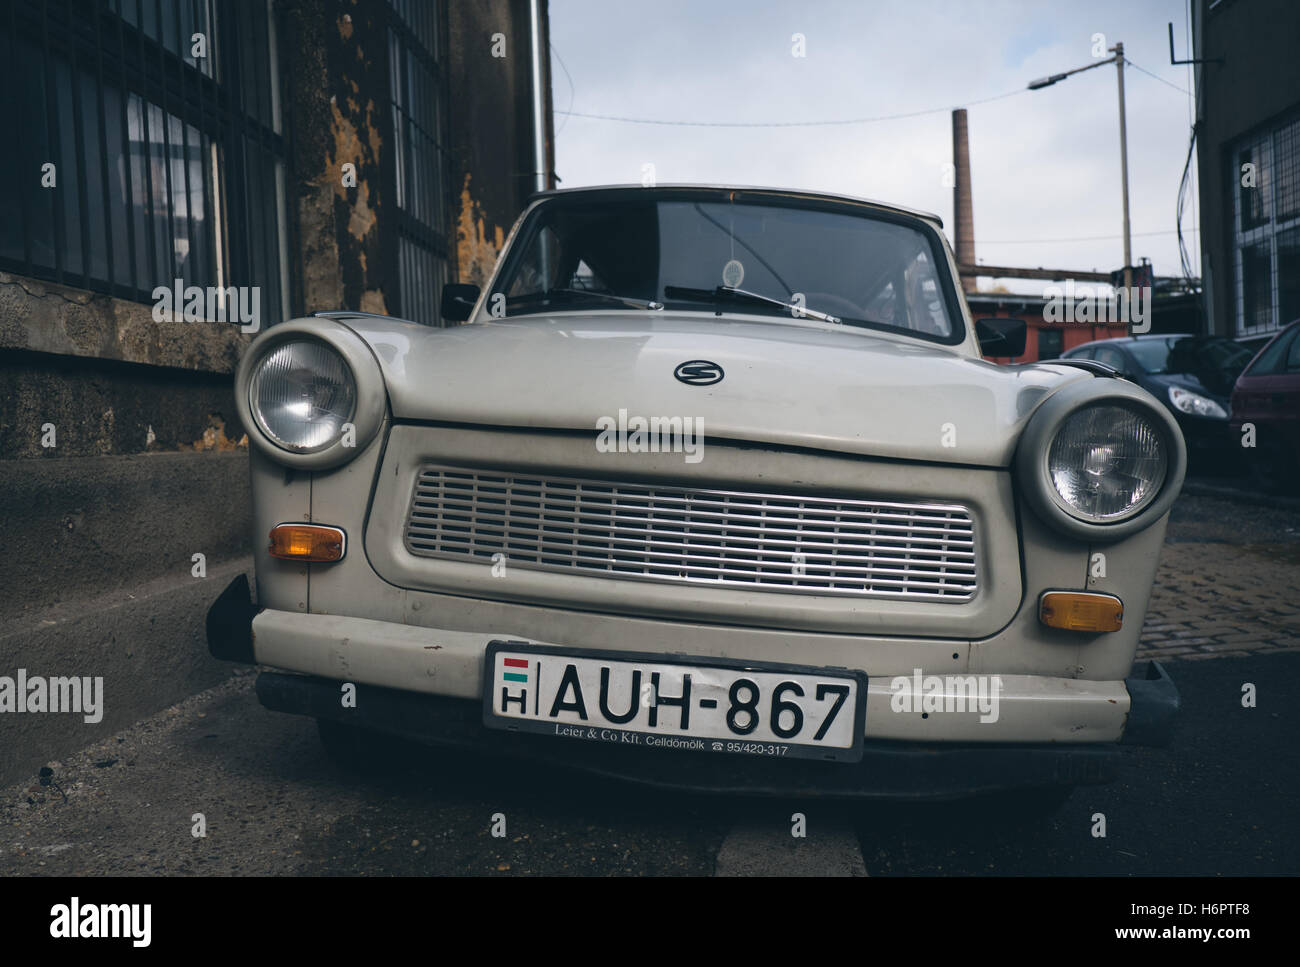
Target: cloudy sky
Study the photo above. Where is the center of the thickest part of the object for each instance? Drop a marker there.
(1045, 164)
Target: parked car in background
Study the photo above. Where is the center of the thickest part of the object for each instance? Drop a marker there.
(1267, 397)
(1191, 375)
(876, 579)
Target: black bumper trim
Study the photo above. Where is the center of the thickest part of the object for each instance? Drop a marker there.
(230, 623)
(1153, 706)
(900, 771)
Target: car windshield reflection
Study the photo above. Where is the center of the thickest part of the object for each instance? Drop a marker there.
(838, 266)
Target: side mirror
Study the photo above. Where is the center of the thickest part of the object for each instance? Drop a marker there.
(458, 301)
(1001, 337)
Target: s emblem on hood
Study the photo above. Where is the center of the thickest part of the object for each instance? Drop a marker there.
(699, 372)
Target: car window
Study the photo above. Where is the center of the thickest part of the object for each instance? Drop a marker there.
(1152, 354)
(1113, 358)
(862, 269)
(1293, 357)
(1085, 353)
(1050, 343)
(1195, 354)
(1215, 361)
(1274, 358)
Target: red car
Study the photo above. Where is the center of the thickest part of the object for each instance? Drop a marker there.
(1267, 395)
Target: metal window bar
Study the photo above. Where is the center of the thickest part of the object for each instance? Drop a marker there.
(102, 130)
(23, 145)
(117, 55)
(52, 134)
(419, 111)
(1266, 224)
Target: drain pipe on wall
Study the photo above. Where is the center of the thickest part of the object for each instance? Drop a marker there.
(541, 176)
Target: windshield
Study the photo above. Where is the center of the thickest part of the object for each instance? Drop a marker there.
(726, 257)
(1214, 361)
(1151, 354)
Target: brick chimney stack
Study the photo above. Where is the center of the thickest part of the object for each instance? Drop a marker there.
(963, 218)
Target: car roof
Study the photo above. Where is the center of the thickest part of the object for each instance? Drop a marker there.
(757, 189)
(1097, 342)
(1119, 341)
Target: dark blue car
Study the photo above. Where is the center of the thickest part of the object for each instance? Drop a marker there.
(1192, 375)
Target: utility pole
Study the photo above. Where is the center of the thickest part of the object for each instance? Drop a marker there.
(1118, 59)
(1118, 50)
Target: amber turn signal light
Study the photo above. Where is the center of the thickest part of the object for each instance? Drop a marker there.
(1081, 611)
(307, 542)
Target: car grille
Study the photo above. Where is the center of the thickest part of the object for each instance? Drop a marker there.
(761, 541)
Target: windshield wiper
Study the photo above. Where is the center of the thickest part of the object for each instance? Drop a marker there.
(609, 296)
(727, 293)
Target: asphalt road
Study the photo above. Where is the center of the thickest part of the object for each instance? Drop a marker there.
(1220, 800)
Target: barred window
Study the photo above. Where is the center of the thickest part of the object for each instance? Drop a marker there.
(417, 88)
(167, 151)
(1288, 274)
(1051, 343)
(1266, 216)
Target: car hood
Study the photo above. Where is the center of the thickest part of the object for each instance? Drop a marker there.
(786, 384)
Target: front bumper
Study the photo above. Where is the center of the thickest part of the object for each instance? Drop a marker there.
(1206, 435)
(424, 684)
(888, 770)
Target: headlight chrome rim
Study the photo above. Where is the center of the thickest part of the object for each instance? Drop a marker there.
(1033, 468)
(256, 406)
(370, 394)
(1113, 410)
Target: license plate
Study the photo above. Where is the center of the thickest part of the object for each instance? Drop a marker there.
(653, 701)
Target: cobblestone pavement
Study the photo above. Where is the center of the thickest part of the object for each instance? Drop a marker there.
(1228, 584)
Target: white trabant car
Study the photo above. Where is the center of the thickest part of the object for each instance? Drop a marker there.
(713, 489)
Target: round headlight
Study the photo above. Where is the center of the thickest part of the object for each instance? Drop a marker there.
(1107, 462)
(301, 394)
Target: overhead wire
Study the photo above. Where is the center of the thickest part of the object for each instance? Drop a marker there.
(792, 124)
(572, 90)
(1071, 238)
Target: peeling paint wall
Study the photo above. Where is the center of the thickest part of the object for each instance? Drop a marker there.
(490, 122)
(338, 89)
(116, 382)
(477, 244)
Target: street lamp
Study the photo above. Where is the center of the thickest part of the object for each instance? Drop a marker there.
(1118, 61)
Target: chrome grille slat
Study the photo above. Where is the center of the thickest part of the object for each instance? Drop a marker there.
(654, 548)
(661, 501)
(622, 530)
(945, 537)
(949, 550)
(706, 563)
